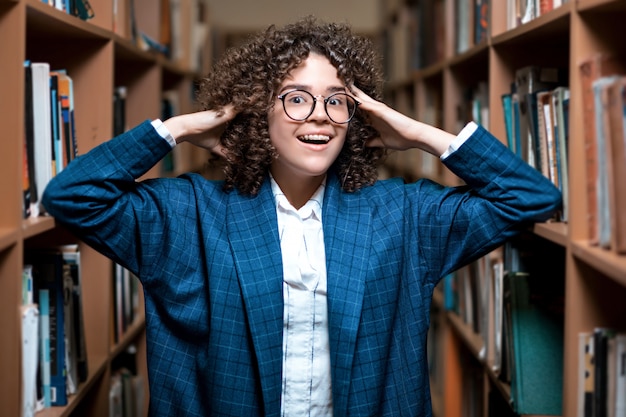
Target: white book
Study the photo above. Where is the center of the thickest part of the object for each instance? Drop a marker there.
(30, 358)
(42, 129)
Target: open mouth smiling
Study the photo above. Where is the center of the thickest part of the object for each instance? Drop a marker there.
(314, 139)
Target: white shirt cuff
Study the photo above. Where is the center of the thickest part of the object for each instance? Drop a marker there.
(460, 139)
(163, 132)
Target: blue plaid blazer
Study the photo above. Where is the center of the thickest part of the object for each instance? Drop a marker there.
(210, 264)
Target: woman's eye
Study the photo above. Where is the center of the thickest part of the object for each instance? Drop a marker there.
(334, 102)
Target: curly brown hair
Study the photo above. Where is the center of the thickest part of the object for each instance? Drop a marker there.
(249, 76)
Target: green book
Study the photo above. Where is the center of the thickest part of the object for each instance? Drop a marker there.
(537, 333)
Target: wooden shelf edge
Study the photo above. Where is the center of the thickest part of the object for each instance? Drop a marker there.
(139, 324)
(8, 237)
(34, 226)
(471, 340)
(585, 5)
(97, 367)
(520, 31)
(605, 261)
(52, 16)
(556, 232)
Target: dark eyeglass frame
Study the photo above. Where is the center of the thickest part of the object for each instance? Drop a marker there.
(282, 96)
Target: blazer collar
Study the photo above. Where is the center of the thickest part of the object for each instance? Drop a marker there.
(253, 236)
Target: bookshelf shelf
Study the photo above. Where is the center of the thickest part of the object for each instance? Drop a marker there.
(604, 261)
(541, 28)
(472, 341)
(44, 20)
(601, 5)
(594, 278)
(131, 334)
(555, 232)
(35, 226)
(8, 238)
(98, 59)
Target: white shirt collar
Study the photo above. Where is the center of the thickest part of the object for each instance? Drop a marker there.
(312, 208)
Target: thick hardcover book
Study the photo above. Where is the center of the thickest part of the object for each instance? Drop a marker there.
(42, 131)
(596, 66)
(534, 306)
(537, 385)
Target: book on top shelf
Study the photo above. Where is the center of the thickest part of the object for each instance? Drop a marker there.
(42, 132)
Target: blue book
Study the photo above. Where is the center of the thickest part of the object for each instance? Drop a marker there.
(507, 107)
(44, 338)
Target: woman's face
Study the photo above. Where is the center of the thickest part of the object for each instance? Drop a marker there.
(307, 149)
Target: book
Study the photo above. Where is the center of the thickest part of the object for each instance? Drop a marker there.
(590, 69)
(71, 364)
(66, 99)
(602, 136)
(55, 117)
(507, 107)
(42, 132)
(601, 337)
(560, 97)
(498, 314)
(119, 110)
(534, 287)
(45, 353)
(30, 358)
(551, 143)
(30, 189)
(481, 17)
(619, 406)
(586, 374)
(616, 164)
(71, 260)
(537, 385)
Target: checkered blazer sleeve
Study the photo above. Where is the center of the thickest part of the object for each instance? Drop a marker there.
(99, 198)
(502, 195)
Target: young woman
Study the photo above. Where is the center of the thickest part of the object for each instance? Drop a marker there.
(299, 285)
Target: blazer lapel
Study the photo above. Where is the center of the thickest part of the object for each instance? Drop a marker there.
(347, 237)
(253, 235)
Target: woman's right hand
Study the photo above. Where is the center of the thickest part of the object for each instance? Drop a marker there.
(202, 128)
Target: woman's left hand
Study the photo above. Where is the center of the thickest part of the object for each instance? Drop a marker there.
(398, 131)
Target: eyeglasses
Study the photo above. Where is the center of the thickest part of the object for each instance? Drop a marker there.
(300, 104)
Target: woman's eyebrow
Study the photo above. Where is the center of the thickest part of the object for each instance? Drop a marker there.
(294, 86)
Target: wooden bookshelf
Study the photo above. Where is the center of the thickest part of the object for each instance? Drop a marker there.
(99, 54)
(595, 283)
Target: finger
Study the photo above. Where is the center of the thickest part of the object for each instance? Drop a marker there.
(227, 112)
